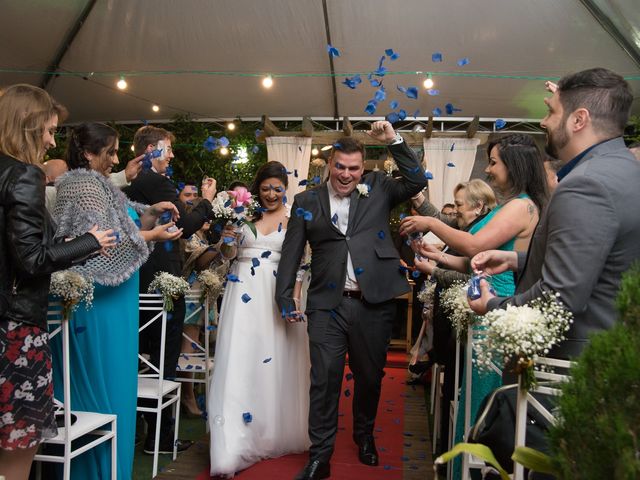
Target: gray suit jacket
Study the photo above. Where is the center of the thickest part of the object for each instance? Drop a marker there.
(587, 237)
(368, 239)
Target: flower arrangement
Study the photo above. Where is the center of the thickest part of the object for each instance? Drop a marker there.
(169, 286)
(235, 207)
(72, 288)
(426, 294)
(523, 332)
(363, 189)
(212, 283)
(389, 166)
(454, 301)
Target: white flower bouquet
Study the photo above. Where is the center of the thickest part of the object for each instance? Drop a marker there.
(235, 208)
(169, 286)
(212, 284)
(71, 288)
(523, 333)
(426, 294)
(454, 301)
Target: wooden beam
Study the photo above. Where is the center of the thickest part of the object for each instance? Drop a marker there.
(347, 128)
(307, 127)
(473, 127)
(428, 132)
(270, 130)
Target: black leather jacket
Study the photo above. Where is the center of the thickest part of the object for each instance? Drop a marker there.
(28, 251)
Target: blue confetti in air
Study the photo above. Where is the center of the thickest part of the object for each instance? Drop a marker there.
(381, 71)
(428, 175)
(245, 298)
(388, 52)
(412, 92)
(80, 329)
(284, 200)
(247, 417)
(334, 219)
(394, 56)
(453, 146)
(403, 269)
(253, 272)
(371, 107)
(255, 262)
(239, 209)
(451, 109)
(347, 393)
(415, 170)
(463, 61)
(331, 285)
(308, 216)
(180, 186)
(380, 95)
(500, 123)
(393, 104)
(275, 273)
(302, 183)
(266, 360)
(228, 240)
(381, 235)
(433, 92)
(168, 246)
(258, 132)
(265, 254)
(358, 271)
(232, 278)
(402, 114)
(393, 117)
(352, 82)
(374, 81)
(217, 227)
(333, 51)
(169, 171)
(437, 112)
(295, 172)
(138, 223)
(403, 216)
(223, 141)
(436, 57)
(211, 327)
(255, 149)
(299, 212)
(451, 164)
(227, 203)
(415, 273)
(280, 227)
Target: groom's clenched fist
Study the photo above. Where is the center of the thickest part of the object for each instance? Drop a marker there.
(382, 131)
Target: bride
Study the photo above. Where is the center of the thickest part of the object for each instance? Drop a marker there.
(259, 392)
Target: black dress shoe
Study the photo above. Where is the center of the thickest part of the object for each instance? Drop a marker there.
(166, 445)
(367, 452)
(314, 470)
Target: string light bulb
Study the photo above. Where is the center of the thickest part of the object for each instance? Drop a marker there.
(314, 151)
(122, 83)
(224, 151)
(326, 147)
(231, 126)
(133, 148)
(267, 82)
(428, 83)
(155, 108)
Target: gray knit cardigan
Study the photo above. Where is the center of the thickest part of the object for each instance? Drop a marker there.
(86, 198)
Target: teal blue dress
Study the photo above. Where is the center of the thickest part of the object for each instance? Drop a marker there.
(103, 349)
(483, 383)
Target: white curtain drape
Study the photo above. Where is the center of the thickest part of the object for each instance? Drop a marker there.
(295, 154)
(450, 160)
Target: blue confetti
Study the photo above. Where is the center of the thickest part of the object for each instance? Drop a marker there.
(462, 62)
(500, 123)
(436, 57)
(334, 219)
(245, 298)
(265, 254)
(275, 273)
(381, 235)
(451, 109)
(232, 278)
(239, 209)
(415, 273)
(333, 51)
(433, 92)
(451, 164)
(255, 262)
(453, 146)
(381, 71)
(295, 172)
(308, 216)
(415, 170)
(255, 149)
(168, 246)
(223, 141)
(299, 212)
(227, 240)
(388, 52)
(266, 360)
(380, 95)
(247, 417)
(253, 271)
(374, 81)
(393, 104)
(437, 112)
(416, 113)
(169, 171)
(371, 107)
(402, 114)
(211, 327)
(280, 227)
(393, 117)
(138, 223)
(302, 183)
(358, 271)
(258, 133)
(352, 82)
(428, 175)
(403, 216)
(80, 329)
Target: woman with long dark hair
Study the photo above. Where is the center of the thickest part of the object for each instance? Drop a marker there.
(259, 401)
(28, 255)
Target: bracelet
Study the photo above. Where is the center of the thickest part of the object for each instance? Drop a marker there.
(443, 258)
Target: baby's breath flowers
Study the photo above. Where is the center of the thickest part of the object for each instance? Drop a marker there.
(170, 287)
(454, 301)
(523, 333)
(72, 288)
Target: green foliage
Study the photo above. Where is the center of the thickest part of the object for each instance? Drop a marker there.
(633, 130)
(598, 433)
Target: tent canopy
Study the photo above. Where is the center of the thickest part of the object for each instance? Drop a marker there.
(180, 54)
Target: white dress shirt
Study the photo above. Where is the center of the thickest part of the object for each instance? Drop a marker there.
(340, 218)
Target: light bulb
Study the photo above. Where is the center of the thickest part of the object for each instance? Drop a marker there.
(224, 151)
(314, 151)
(428, 83)
(122, 83)
(326, 147)
(267, 82)
(231, 126)
(132, 148)
(155, 108)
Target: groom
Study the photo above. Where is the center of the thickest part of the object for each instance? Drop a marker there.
(355, 275)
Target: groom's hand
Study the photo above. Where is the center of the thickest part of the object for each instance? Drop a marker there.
(382, 131)
(295, 317)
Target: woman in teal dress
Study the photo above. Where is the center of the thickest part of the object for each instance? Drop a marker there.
(104, 339)
(516, 172)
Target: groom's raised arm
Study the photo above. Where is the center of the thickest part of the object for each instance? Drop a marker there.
(412, 179)
(292, 251)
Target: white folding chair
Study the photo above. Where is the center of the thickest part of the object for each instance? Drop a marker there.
(151, 384)
(198, 363)
(99, 425)
(548, 383)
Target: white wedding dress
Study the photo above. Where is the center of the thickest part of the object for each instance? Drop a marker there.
(259, 393)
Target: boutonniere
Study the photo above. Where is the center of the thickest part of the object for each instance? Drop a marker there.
(363, 189)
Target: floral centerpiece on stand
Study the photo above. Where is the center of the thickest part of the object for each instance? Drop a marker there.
(71, 288)
(523, 333)
(235, 208)
(212, 283)
(454, 301)
(170, 287)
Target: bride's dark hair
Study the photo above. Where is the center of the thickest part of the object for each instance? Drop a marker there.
(268, 170)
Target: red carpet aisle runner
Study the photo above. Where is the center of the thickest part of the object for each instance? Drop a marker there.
(389, 433)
